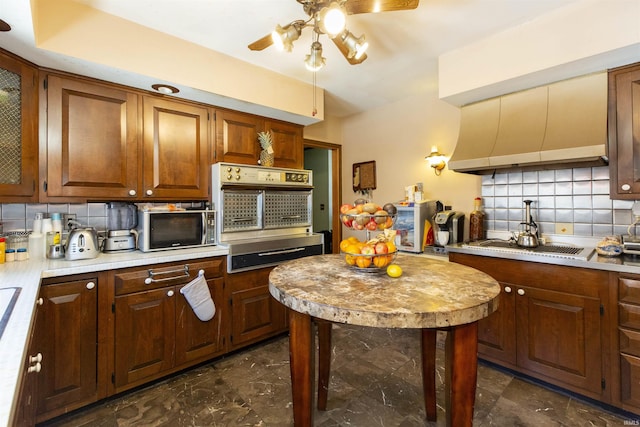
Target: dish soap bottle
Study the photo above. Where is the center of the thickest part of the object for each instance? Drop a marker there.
(476, 221)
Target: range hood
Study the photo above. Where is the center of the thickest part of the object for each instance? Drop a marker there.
(563, 124)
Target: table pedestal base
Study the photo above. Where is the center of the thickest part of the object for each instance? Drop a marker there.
(461, 364)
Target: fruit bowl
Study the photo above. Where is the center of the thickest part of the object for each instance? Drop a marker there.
(365, 221)
(369, 263)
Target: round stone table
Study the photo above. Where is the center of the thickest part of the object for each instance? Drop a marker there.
(430, 295)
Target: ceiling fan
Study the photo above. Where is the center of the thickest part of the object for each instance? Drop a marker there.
(329, 17)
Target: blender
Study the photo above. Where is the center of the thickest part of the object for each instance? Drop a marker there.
(122, 219)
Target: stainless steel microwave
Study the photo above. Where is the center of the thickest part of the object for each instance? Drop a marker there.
(162, 230)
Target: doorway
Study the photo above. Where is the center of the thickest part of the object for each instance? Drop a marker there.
(325, 160)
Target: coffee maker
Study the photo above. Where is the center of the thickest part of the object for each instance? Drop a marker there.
(122, 219)
(448, 228)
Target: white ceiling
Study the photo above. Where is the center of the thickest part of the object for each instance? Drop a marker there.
(402, 58)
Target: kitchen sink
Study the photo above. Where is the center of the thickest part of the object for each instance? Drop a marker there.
(8, 298)
(547, 250)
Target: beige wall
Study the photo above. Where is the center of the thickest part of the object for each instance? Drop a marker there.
(398, 137)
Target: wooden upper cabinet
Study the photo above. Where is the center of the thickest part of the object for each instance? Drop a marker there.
(237, 137)
(287, 144)
(624, 132)
(176, 147)
(92, 148)
(18, 130)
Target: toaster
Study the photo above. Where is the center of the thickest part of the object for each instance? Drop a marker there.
(82, 243)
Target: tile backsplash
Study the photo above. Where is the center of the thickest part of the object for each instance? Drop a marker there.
(19, 216)
(578, 196)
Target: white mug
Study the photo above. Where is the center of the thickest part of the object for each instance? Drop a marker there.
(443, 238)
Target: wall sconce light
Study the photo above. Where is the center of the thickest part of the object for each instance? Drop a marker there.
(436, 160)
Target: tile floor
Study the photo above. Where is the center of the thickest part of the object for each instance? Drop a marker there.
(375, 381)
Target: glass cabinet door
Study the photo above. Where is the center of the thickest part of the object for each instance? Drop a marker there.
(18, 130)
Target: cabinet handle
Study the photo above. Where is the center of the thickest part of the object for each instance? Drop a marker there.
(40, 301)
(184, 270)
(132, 192)
(35, 359)
(507, 289)
(625, 187)
(149, 192)
(170, 293)
(34, 368)
(520, 291)
(91, 285)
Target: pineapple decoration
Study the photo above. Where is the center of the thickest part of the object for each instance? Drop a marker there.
(266, 142)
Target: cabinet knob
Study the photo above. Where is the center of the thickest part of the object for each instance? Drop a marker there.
(91, 285)
(520, 291)
(625, 187)
(169, 293)
(149, 192)
(35, 359)
(40, 301)
(507, 289)
(132, 192)
(148, 281)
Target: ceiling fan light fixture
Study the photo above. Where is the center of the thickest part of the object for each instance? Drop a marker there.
(283, 37)
(331, 20)
(314, 61)
(356, 47)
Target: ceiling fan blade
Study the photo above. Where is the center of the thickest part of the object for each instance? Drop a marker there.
(345, 52)
(262, 43)
(371, 6)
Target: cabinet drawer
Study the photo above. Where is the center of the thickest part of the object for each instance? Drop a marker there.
(629, 315)
(160, 275)
(629, 380)
(629, 290)
(629, 342)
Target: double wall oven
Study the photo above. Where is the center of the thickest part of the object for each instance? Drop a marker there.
(264, 214)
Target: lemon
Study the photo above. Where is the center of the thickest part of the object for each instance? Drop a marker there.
(394, 270)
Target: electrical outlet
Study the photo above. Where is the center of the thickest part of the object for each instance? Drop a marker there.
(66, 218)
(564, 228)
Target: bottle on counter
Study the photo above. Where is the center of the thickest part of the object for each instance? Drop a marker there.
(476, 221)
(3, 248)
(36, 245)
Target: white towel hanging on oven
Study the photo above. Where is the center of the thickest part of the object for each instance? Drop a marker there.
(197, 294)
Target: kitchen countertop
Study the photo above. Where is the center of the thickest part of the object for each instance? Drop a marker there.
(619, 264)
(27, 276)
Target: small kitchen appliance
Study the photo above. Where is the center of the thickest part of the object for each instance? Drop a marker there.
(161, 229)
(410, 224)
(122, 220)
(448, 228)
(82, 243)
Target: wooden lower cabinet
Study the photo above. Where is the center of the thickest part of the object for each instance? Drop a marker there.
(156, 330)
(628, 335)
(255, 314)
(66, 335)
(552, 323)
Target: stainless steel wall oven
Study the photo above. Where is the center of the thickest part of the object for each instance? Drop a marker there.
(265, 214)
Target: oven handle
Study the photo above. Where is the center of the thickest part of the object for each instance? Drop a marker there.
(291, 217)
(286, 251)
(242, 219)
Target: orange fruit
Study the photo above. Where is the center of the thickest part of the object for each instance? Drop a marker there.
(344, 244)
(353, 239)
(363, 261)
(350, 259)
(352, 249)
(391, 246)
(381, 261)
